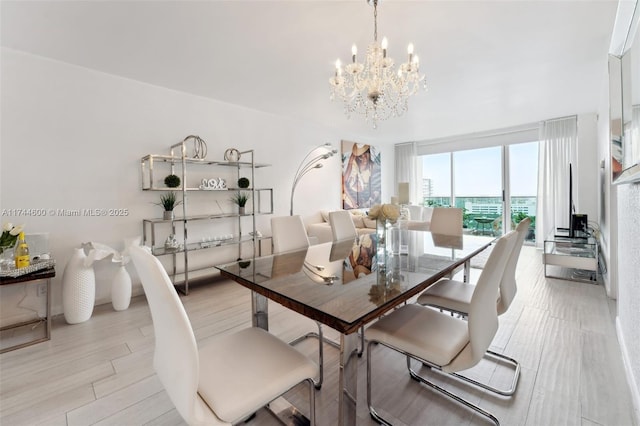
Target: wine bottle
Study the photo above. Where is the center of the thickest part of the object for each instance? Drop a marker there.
(22, 252)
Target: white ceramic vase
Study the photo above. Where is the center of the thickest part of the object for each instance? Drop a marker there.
(78, 288)
(121, 289)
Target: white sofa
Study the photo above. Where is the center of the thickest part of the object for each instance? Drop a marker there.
(319, 229)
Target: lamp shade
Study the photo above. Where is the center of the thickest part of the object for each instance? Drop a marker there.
(403, 192)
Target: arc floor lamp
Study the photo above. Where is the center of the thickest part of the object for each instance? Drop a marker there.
(313, 160)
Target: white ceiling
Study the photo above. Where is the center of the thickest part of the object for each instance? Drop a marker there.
(489, 64)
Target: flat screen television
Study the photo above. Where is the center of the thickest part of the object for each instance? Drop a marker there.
(571, 206)
(568, 232)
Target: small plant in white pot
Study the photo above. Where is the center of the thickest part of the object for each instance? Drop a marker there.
(240, 198)
(168, 201)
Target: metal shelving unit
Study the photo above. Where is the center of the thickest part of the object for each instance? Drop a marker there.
(179, 163)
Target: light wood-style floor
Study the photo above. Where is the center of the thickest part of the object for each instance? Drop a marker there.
(100, 371)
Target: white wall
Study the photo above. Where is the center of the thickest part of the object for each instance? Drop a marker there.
(587, 185)
(72, 138)
(629, 284)
(619, 222)
(606, 193)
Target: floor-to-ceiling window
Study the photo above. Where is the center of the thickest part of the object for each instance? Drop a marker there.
(478, 188)
(485, 182)
(523, 184)
(436, 179)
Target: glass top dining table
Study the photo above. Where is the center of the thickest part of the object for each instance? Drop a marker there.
(347, 284)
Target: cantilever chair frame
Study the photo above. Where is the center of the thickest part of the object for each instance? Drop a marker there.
(374, 414)
(498, 356)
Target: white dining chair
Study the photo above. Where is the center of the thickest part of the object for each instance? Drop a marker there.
(289, 233)
(441, 341)
(415, 212)
(342, 226)
(228, 379)
(455, 296)
(446, 221)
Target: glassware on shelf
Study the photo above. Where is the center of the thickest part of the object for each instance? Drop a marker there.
(7, 261)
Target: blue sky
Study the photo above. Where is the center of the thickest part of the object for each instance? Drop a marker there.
(478, 171)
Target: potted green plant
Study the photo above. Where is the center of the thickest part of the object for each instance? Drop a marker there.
(172, 181)
(168, 201)
(243, 182)
(240, 198)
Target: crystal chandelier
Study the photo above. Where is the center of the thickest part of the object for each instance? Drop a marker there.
(374, 89)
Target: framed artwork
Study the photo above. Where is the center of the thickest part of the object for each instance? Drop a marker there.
(361, 180)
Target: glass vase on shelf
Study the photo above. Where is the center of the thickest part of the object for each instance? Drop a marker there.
(7, 261)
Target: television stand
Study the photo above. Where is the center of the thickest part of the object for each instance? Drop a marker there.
(574, 259)
(566, 233)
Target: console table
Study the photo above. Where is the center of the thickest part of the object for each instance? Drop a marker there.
(574, 259)
(44, 275)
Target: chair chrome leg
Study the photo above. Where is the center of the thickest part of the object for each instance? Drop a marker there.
(374, 414)
(417, 377)
(287, 414)
(372, 410)
(504, 392)
(361, 350)
(312, 402)
(448, 394)
(507, 360)
(321, 340)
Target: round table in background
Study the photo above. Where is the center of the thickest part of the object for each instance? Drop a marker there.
(482, 222)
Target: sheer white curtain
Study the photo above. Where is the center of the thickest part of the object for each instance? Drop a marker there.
(558, 149)
(406, 169)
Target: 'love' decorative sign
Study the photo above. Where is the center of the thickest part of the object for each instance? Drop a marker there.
(214, 184)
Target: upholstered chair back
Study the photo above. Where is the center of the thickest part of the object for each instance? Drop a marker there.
(288, 233)
(176, 353)
(446, 220)
(508, 286)
(342, 226)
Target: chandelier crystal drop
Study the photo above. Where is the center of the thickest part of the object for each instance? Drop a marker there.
(374, 88)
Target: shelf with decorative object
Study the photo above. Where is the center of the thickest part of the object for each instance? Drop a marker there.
(152, 177)
(224, 182)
